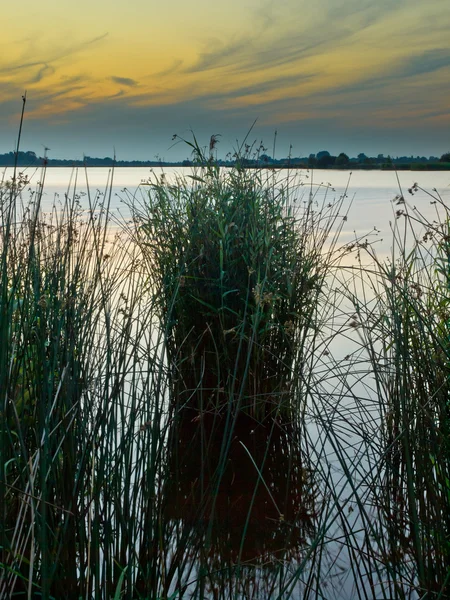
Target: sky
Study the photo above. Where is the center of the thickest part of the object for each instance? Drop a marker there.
(105, 77)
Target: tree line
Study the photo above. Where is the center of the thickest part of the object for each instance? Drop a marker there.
(321, 160)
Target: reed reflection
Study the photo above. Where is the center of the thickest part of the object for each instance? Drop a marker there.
(241, 492)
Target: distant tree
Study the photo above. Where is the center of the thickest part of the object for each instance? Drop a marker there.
(361, 157)
(445, 157)
(326, 160)
(312, 161)
(342, 160)
(322, 153)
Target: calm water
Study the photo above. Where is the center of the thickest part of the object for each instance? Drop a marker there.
(370, 193)
(274, 521)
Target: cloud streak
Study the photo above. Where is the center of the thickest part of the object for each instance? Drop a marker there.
(44, 71)
(124, 81)
(290, 36)
(55, 56)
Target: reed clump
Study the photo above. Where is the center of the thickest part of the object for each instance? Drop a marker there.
(238, 261)
(409, 343)
(72, 372)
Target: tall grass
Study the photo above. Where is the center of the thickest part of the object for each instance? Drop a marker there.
(77, 461)
(207, 402)
(239, 262)
(409, 343)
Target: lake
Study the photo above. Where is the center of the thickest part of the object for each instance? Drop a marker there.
(370, 193)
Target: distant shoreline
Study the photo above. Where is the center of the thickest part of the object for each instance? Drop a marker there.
(322, 161)
(355, 167)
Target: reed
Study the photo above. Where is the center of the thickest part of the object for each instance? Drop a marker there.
(75, 364)
(238, 261)
(408, 340)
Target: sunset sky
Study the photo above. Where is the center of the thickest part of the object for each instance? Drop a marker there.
(348, 76)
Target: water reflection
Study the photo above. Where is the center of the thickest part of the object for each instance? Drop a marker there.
(242, 494)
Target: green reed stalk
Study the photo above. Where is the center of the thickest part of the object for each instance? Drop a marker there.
(411, 327)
